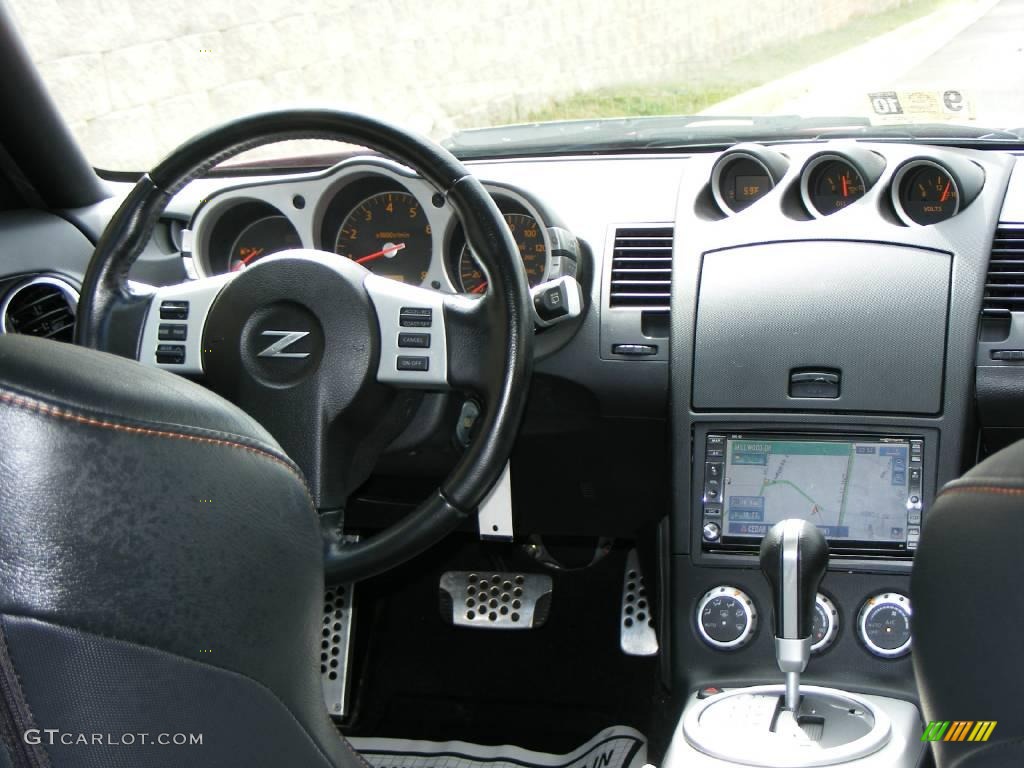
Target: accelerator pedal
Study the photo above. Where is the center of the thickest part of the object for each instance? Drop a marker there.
(636, 624)
(334, 648)
(495, 600)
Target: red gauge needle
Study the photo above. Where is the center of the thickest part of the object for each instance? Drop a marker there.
(846, 190)
(480, 288)
(945, 192)
(382, 252)
(244, 261)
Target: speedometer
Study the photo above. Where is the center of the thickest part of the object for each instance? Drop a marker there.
(389, 235)
(532, 249)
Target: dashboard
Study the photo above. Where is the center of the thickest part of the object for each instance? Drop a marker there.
(823, 329)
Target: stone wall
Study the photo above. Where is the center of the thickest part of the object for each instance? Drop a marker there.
(135, 77)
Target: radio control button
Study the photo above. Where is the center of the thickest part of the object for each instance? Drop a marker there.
(712, 531)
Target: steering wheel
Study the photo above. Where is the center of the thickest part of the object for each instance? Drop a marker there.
(307, 341)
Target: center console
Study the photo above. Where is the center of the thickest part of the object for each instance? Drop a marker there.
(821, 373)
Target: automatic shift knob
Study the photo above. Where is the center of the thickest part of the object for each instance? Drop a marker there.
(794, 556)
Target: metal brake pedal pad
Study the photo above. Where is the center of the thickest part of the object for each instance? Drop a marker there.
(495, 600)
(334, 647)
(636, 624)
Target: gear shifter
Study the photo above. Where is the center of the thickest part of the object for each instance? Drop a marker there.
(794, 556)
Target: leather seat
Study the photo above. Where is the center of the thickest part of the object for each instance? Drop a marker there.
(968, 617)
(161, 573)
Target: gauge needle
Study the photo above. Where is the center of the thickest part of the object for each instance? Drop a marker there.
(945, 192)
(846, 190)
(480, 288)
(382, 252)
(244, 261)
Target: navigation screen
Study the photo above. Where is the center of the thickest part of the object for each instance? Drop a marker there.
(850, 490)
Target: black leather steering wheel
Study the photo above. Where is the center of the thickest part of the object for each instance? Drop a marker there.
(336, 405)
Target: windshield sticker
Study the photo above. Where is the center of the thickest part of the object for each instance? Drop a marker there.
(946, 105)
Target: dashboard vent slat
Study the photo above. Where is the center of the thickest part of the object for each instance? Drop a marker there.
(42, 306)
(1004, 286)
(641, 273)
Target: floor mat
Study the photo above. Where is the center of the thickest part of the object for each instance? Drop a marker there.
(615, 747)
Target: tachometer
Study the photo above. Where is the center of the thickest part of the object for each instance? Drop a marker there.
(925, 193)
(262, 238)
(830, 183)
(529, 240)
(389, 235)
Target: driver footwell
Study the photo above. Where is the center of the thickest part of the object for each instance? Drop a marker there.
(550, 689)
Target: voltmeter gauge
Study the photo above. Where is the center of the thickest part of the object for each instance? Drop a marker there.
(925, 193)
(884, 625)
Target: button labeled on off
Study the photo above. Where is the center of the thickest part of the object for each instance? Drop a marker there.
(413, 363)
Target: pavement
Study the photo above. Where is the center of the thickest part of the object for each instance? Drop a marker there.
(973, 48)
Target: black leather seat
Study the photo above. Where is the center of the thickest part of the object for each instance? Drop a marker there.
(160, 573)
(968, 620)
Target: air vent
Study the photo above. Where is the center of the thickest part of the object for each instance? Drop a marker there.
(1004, 285)
(642, 268)
(43, 307)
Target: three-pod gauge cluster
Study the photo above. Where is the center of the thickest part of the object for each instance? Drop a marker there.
(918, 192)
(727, 618)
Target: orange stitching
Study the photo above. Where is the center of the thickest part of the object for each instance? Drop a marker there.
(984, 489)
(59, 413)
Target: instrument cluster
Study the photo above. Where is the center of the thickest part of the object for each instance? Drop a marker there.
(377, 214)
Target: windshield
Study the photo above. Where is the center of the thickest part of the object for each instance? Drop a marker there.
(134, 78)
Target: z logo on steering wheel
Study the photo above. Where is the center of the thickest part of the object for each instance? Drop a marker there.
(277, 349)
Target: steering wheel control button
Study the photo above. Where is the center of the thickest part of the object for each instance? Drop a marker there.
(495, 600)
(413, 363)
(825, 624)
(884, 625)
(170, 354)
(420, 340)
(174, 310)
(637, 636)
(726, 618)
(416, 317)
(172, 332)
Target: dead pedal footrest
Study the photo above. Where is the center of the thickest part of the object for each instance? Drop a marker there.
(495, 600)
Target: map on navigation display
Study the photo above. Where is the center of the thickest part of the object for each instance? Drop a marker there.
(850, 490)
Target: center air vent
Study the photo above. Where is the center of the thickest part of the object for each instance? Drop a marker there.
(642, 268)
(1004, 284)
(42, 306)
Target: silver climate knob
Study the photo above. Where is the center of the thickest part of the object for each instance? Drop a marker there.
(726, 618)
(826, 624)
(884, 625)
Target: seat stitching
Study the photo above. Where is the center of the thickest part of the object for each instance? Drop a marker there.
(983, 489)
(60, 413)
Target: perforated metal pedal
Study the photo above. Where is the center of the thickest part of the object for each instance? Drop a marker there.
(490, 600)
(334, 648)
(636, 624)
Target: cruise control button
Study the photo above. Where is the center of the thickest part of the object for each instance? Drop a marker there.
(421, 340)
(410, 363)
(416, 317)
(170, 354)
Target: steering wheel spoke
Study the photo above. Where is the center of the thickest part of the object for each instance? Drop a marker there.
(172, 335)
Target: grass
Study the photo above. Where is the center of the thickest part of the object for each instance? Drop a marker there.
(704, 89)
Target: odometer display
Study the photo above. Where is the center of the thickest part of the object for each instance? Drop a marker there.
(532, 249)
(389, 235)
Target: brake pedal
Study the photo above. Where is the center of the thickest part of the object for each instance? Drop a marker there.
(636, 624)
(495, 600)
(335, 646)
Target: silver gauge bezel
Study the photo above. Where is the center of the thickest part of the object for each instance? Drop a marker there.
(748, 605)
(832, 625)
(805, 182)
(897, 184)
(716, 179)
(892, 599)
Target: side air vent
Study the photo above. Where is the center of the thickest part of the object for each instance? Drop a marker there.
(1004, 284)
(41, 306)
(642, 268)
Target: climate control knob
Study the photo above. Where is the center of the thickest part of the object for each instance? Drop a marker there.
(726, 618)
(826, 624)
(884, 625)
